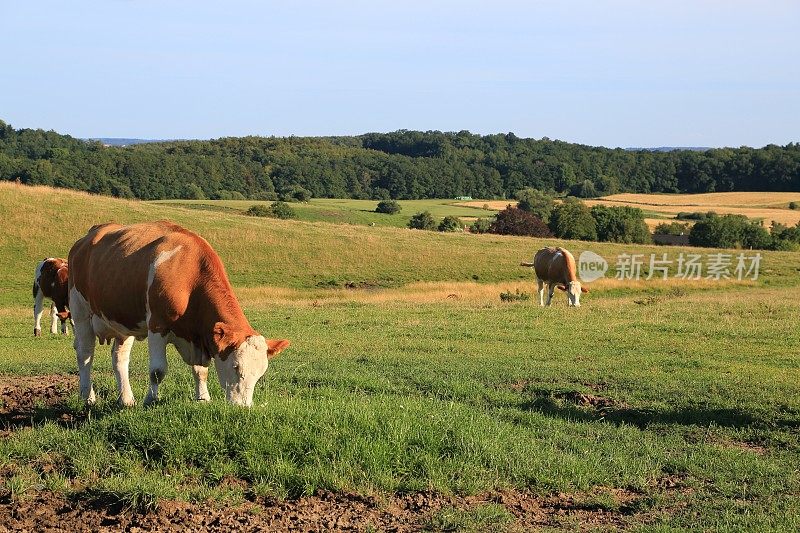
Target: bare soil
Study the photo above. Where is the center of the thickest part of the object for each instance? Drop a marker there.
(324, 511)
(26, 400)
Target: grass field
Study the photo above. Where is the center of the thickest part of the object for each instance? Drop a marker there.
(345, 211)
(654, 406)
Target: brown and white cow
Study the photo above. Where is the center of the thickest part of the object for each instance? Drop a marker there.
(50, 281)
(161, 282)
(556, 268)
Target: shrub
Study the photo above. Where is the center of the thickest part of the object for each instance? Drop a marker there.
(620, 224)
(389, 207)
(451, 223)
(672, 228)
(516, 296)
(536, 203)
(282, 210)
(571, 219)
(481, 225)
(422, 220)
(696, 215)
(794, 205)
(515, 221)
(258, 210)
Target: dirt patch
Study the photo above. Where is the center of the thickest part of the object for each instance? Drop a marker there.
(27, 400)
(589, 400)
(325, 511)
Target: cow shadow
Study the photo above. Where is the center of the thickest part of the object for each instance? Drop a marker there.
(575, 406)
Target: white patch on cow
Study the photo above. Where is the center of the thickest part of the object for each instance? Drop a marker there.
(151, 276)
(162, 257)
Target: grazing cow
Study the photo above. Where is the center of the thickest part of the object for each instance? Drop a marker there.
(556, 268)
(161, 282)
(50, 281)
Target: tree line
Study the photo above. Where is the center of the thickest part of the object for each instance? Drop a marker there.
(398, 165)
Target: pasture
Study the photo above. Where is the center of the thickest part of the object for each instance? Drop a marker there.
(412, 397)
(347, 211)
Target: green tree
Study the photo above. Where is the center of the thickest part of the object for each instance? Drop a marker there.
(423, 220)
(571, 219)
(730, 231)
(192, 191)
(535, 202)
(620, 224)
(584, 189)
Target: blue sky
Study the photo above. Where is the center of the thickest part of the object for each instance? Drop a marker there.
(613, 73)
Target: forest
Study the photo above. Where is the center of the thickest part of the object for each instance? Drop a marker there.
(398, 165)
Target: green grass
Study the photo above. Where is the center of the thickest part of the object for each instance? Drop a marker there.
(344, 211)
(700, 389)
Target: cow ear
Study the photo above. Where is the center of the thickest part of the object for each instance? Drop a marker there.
(562, 287)
(584, 289)
(219, 333)
(274, 347)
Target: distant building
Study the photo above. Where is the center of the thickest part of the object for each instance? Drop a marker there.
(463, 198)
(671, 240)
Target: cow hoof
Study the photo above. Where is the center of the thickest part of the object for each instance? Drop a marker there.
(126, 403)
(37, 332)
(149, 401)
(207, 399)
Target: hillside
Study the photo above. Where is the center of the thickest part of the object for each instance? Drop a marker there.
(400, 165)
(41, 221)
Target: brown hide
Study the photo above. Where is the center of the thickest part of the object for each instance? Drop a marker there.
(190, 294)
(555, 265)
(53, 284)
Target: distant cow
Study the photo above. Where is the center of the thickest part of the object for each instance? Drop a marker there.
(161, 282)
(556, 268)
(50, 281)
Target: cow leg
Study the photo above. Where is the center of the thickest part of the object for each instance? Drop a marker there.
(201, 383)
(53, 319)
(84, 351)
(38, 308)
(120, 357)
(551, 288)
(541, 292)
(157, 348)
(84, 343)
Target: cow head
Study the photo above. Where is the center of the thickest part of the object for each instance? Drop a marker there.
(243, 367)
(573, 290)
